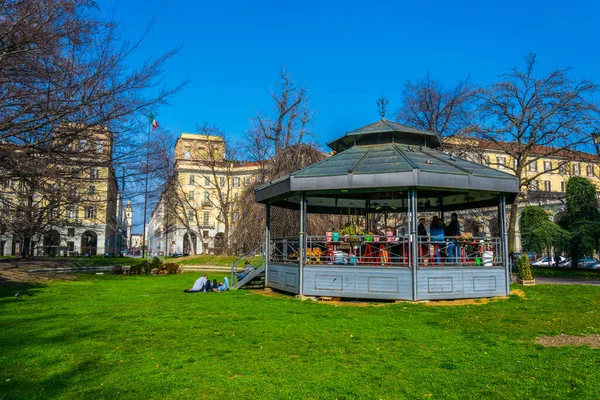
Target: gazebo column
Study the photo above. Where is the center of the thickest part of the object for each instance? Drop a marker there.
(503, 239)
(414, 249)
(302, 241)
(267, 240)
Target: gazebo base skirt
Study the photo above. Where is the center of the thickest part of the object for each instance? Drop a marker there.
(393, 283)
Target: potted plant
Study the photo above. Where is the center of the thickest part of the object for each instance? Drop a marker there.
(524, 276)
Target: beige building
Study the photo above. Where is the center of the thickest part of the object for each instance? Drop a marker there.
(199, 208)
(89, 217)
(549, 174)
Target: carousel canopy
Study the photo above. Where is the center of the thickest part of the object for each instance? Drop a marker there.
(373, 173)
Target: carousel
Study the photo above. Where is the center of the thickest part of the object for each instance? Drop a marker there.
(378, 170)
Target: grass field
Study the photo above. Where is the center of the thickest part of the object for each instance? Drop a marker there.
(140, 337)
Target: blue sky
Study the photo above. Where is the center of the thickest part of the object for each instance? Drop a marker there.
(348, 52)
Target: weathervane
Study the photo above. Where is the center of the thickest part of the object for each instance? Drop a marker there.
(382, 103)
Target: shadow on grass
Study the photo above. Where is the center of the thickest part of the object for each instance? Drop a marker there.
(9, 288)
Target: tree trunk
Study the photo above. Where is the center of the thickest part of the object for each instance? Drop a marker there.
(25, 250)
(512, 225)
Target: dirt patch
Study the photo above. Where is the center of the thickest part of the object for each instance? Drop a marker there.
(518, 292)
(13, 277)
(568, 340)
(464, 302)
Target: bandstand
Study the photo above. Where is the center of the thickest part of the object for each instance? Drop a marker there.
(388, 168)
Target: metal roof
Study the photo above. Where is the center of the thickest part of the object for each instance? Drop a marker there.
(391, 166)
(385, 131)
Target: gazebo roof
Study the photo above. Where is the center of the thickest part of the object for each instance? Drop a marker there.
(364, 169)
(385, 131)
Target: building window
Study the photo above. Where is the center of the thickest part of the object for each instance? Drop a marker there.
(533, 185)
(206, 181)
(90, 212)
(533, 166)
(547, 186)
(70, 247)
(187, 152)
(6, 183)
(190, 215)
(235, 196)
(236, 182)
(563, 186)
(205, 234)
(501, 162)
(222, 181)
(94, 173)
(589, 169)
(191, 195)
(72, 213)
(99, 146)
(563, 169)
(71, 232)
(92, 190)
(576, 169)
(192, 179)
(82, 144)
(206, 218)
(246, 181)
(547, 166)
(206, 199)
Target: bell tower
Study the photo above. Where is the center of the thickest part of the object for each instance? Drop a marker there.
(129, 217)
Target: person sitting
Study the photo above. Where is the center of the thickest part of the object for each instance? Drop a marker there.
(247, 269)
(223, 286)
(199, 285)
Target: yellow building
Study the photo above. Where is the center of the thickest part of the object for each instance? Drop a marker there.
(200, 205)
(86, 215)
(548, 174)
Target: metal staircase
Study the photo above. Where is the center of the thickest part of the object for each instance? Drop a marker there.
(255, 278)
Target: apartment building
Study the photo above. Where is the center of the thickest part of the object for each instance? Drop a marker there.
(83, 215)
(549, 174)
(198, 210)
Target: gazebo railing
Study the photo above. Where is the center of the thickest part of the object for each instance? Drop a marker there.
(369, 250)
(452, 251)
(381, 251)
(285, 250)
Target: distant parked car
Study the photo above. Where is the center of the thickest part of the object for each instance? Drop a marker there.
(594, 266)
(584, 262)
(546, 262)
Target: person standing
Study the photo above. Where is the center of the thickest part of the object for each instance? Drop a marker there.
(453, 230)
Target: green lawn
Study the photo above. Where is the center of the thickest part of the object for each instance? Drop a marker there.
(140, 337)
(208, 259)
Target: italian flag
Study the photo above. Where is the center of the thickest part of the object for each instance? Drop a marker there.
(153, 121)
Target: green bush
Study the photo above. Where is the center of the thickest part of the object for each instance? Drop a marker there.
(143, 267)
(524, 268)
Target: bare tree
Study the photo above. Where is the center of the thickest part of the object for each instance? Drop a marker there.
(219, 167)
(429, 105)
(64, 73)
(288, 125)
(531, 118)
(288, 160)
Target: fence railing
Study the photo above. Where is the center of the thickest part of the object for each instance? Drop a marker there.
(373, 250)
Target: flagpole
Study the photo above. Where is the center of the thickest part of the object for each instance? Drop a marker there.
(144, 253)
